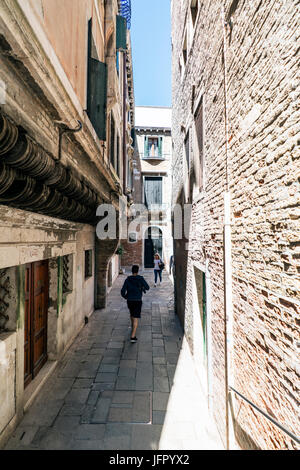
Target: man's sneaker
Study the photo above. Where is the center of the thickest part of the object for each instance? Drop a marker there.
(133, 340)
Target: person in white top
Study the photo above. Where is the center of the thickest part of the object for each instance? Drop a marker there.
(157, 269)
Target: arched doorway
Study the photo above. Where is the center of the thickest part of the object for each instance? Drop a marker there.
(152, 244)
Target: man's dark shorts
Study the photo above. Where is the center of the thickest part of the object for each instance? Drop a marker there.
(135, 307)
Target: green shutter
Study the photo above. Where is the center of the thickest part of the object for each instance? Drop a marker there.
(146, 150)
(160, 146)
(121, 34)
(133, 136)
(96, 90)
(97, 96)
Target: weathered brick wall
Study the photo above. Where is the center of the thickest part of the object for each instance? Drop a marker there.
(263, 169)
(132, 253)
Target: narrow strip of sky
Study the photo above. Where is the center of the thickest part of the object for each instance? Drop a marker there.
(151, 50)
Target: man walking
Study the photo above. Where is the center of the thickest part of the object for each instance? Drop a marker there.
(132, 290)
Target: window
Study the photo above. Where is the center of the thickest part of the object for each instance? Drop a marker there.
(183, 56)
(112, 140)
(194, 11)
(187, 150)
(199, 137)
(132, 237)
(184, 50)
(153, 147)
(67, 266)
(88, 263)
(153, 190)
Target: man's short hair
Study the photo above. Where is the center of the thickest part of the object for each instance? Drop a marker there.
(135, 269)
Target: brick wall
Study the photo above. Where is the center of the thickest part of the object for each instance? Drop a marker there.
(263, 173)
(132, 253)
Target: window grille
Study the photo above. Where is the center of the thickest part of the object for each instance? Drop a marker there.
(88, 264)
(67, 274)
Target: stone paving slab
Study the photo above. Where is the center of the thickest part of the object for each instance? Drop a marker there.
(107, 393)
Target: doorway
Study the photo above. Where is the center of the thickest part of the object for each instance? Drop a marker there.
(152, 244)
(36, 316)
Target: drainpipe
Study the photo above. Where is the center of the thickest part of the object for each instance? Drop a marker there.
(228, 314)
(64, 129)
(209, 335)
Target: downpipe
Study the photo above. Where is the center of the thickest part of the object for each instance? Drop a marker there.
(228, 320)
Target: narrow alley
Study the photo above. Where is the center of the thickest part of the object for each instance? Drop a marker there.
(107, 393)
(162, 135)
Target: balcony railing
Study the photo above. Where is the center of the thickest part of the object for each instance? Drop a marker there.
(125, 11)
(164, 156)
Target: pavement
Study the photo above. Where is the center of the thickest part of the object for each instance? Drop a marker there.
(109, 394)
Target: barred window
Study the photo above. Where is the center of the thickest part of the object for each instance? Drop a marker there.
(88, 264)
(67, 284)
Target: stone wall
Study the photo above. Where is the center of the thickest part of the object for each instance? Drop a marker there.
(262, 167)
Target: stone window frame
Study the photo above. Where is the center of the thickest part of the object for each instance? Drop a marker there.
(188, 34)
(200, 101)
(192, 20)
(184, 54)
(187, 132)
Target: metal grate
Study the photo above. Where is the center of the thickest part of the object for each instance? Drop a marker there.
(66, 281)
(125, 11)
(5, 294)
(88, 264)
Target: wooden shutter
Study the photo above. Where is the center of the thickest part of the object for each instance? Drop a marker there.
(160, 146)
(96, 90)
(153, 190)
(146, 149)
(121, 34)
(133, 136)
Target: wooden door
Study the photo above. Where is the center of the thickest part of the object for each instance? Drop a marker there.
(36, 312)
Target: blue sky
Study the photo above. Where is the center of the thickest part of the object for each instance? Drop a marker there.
(151, 50)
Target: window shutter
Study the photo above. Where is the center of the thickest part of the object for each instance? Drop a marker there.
(97, 97)
(96, 90)
(121, 34)
(146, 150)
(160, 146)
(153, 190)
(133, 136)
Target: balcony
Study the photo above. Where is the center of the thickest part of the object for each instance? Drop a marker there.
(155, 156)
